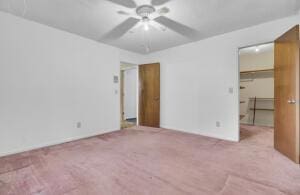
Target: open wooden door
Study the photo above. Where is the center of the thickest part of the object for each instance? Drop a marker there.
(286, 127)
(149, 95)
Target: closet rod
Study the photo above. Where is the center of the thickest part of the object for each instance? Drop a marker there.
(255, 71)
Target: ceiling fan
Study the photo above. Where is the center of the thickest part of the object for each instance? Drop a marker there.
(147, 15)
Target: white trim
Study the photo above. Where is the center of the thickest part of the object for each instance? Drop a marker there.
(239, 93)
(132, 66)
(52, 143)
(195, 132)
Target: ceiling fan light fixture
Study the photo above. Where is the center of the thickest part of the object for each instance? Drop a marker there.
(145, 10)
(145, 21)
(146, 26)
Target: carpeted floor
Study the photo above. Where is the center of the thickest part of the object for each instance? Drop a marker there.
(150, 161)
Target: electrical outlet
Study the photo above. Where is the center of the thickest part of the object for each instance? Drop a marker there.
(78, 124)
(218, 124)
(230, 90)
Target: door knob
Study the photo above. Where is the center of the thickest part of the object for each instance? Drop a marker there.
(292, 101)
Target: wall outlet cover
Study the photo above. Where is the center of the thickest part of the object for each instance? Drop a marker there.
(116, 79)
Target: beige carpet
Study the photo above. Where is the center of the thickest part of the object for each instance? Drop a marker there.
(146, 161)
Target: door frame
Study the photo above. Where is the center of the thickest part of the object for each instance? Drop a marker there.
(121, 95)
(121, 84)
(239, 78)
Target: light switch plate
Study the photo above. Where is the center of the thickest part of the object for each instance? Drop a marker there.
(116, 79)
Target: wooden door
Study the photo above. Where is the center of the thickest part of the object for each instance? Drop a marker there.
(286, 127)
(149, 95)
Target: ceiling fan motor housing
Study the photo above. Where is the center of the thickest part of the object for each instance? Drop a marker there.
(145, 10)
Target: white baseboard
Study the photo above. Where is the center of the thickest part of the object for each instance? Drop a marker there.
(26, 149)
(202, 134)
(43, 145)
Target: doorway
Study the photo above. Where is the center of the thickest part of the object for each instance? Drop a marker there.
(269, 91)
(140, 95)
(256, 64)
(128, 95)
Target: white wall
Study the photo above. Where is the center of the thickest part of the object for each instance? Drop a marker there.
(195, 80)
(257, 61)
(49, 81)
(130, 93)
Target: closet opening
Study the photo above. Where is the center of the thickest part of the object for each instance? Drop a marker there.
(256, 64)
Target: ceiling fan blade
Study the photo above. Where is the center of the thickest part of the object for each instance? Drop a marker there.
(121, 12)
(178, 27)
(125, 3)
(120, 30)
(159, 2)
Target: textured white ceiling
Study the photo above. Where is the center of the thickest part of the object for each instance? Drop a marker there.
(95, 18)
